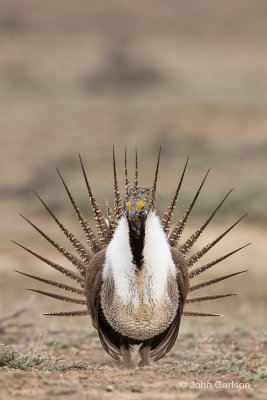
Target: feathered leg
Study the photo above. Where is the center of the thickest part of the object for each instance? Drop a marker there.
(126, 355)
(144, 352)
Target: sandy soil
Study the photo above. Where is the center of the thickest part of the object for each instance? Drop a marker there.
(72, 364)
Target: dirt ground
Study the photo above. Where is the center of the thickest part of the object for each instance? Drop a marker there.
(70, 363)
(78, 77)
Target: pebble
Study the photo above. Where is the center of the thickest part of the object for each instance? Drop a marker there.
(110, 388)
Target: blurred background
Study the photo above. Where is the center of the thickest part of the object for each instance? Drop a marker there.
(78, 77)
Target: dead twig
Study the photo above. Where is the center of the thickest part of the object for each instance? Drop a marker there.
(19, 311)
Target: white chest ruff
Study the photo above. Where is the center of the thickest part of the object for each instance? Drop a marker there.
(140, 304)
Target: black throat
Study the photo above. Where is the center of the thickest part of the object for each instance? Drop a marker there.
(137, 239)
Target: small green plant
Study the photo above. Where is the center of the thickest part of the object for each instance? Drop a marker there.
(11, 358)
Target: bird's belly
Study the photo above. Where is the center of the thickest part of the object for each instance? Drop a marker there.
(141, 322)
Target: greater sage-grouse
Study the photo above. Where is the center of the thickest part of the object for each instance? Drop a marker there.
(132, 278)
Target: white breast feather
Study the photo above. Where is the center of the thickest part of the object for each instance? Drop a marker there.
(118, 264)
(158, 263)
(157, 259)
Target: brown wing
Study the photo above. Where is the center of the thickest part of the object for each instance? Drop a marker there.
(163, 343)
(93, 288)
(93, 284)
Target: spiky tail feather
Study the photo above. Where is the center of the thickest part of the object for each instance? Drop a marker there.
(136, 174)
(91, 239)
(68, 313)
(178, 229)
(70, 274)
(192, 260)
(53, 283)
(205, 298)
(167, 217)
(59, 297)
(204, 267)
(213, 281)
(127, 187)
(74, 260)
(200, 314)
(101, 225)
(84, 253)
(118, 207)
(193, 238)
(153, 194)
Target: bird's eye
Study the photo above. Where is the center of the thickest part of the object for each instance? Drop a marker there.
(140, 205)
(128, 205)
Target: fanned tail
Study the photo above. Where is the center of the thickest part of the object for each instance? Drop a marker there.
(105, 230)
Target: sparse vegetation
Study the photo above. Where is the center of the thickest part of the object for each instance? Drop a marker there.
(10, 358)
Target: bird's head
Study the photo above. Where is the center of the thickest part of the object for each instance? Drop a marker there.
(136, 209)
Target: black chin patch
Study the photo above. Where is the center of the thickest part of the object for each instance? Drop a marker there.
(137, 239)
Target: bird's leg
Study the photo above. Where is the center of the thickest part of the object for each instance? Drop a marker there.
(126, 355)
(144, 352)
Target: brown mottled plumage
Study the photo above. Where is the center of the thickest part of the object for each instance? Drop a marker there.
(132, 277)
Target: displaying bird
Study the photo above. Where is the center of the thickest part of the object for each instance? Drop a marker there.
(133, 278)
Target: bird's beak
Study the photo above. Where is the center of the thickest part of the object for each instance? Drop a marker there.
(131, 216)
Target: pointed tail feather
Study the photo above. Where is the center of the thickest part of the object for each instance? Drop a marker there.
(111, 218)
(63, 270)
(153, 195)
(84, 253)
(168, 214)
(206, 298)
(91, 239)
(136, 174)
(192, 260)
(200, 314)
(68, 313)
(213, 281)
(101, 225)
(127, 187)
(193, 238)
(53, 283)
(204, 267)
(118, 207)
(178, 229)
(58, 297)
(74, 260)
